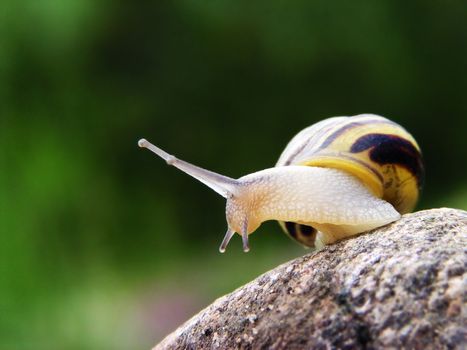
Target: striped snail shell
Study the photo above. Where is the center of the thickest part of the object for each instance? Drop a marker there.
(335, 179)
(379, 152)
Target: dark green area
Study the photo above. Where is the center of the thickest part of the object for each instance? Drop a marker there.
(102, 246)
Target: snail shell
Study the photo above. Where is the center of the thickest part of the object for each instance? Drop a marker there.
(378, 151)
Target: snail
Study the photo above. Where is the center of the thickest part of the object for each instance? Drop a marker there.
(335, 179)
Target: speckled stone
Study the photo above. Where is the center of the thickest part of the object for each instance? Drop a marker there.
(400, 286)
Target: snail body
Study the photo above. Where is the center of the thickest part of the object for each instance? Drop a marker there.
(335, 179)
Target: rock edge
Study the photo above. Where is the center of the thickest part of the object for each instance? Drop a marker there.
(402, 285)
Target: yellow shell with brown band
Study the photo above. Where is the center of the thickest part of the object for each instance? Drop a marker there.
(380, 153)
(335, 179)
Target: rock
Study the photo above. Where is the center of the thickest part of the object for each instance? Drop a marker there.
(400, 286)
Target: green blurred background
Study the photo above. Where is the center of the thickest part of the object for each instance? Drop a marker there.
(102, 246)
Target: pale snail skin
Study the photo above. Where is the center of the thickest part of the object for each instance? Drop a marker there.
(333, 201)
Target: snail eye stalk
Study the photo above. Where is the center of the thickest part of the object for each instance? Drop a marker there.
(223, 185)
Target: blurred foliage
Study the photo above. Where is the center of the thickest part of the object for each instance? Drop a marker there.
(104, 247)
